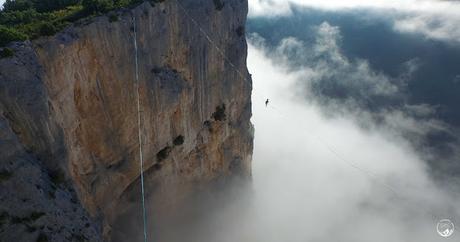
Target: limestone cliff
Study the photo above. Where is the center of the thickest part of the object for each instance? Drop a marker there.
(69, 116)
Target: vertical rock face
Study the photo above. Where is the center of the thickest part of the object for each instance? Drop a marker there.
(70, 101)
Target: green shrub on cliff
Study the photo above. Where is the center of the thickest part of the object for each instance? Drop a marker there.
(48, 29)
(17, 5)
(30, 19)
(97, 6)
(18, 25)
(5, 53)
(39, 5)
(8, 34)
(52, 5)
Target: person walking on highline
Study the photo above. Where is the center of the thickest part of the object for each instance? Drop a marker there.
(266, 103)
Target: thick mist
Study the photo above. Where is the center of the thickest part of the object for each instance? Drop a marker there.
(330, 179)
(316, 177)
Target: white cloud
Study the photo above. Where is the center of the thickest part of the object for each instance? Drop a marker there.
(302, 191)
(267, 7)
(432, 18)
(435, 26)
(324, 65)
(322, 70)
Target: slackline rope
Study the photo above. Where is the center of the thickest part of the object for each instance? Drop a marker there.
(141, 156)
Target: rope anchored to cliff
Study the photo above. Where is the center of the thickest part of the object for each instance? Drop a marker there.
(139, 128)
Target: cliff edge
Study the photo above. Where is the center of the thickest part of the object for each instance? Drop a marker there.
(69, 154)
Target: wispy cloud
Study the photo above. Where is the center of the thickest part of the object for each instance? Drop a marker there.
(344, 86)
(431, 18)
(305, 190)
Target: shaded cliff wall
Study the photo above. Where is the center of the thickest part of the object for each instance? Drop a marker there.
(71, 101)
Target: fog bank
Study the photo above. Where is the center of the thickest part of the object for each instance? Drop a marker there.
(316, 177)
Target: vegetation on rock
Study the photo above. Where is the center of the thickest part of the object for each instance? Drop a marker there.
(29, 19)
(219, 114)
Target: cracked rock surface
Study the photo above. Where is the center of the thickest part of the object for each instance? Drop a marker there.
(68, 125)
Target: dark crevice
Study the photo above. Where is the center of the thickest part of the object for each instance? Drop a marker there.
(156, 166)
(163, 153)
(179, 140)
(208, 125)
(5, 175)
(240, 31)
(156, 70)
(117, 165)
(219, 114)
(57, 177)
(219, 4)
(42, 238)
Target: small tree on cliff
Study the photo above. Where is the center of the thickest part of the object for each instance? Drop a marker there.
(51, 5)
(97, 6)
(17, 5)
(38, 5)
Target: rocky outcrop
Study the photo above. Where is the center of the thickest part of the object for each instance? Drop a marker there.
(69, 106)
(37, 205)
